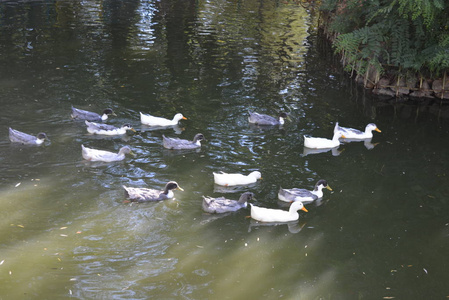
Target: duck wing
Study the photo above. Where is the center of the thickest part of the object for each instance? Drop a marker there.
(100, 155)
(98, 128)
(220, 205)
(176, 143)
(21, 137)
(143, 194)
(263, 214)
(150, 120)
(303, 195)
(85, 115)
(262, 119)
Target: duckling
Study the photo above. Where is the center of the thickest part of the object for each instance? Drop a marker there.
(159, 121)
(226, 179)
(146, 195)
(16, 136)
(277, 215)
(91, 116)
(222, 205)
(262, 119)
(177, 144)
(105, 156)
(303, 195)
(105, 129)
(355, 134)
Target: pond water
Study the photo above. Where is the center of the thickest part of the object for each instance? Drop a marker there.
(66, 231)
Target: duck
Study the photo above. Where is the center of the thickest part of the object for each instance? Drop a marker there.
(322, 143)
(91, 154)
(91, 116)
(355, 134)
(263, 214)
(16, 136)
(303, 195)
(227, 179)
(178, 144)
(146, 195)
(159, 121)
(222, 205)
(262, 119)
(104, 129)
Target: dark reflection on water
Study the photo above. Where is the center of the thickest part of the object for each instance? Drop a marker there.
(67, 231)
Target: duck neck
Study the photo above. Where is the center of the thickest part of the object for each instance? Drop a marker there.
(336, 137)
(368, 133)
(318, 191)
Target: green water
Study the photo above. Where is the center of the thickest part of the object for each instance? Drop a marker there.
(66, 232)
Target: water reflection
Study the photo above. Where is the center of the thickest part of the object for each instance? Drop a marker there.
(176, 128)
(336, 151)
(293, 227)
(366, 142)
(234, 189)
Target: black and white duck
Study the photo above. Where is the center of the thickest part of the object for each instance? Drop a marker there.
(105, 129)
(222, 205)
(16, 136)
(146, 195)
(303, 195)
(177, 144)
(91, 116)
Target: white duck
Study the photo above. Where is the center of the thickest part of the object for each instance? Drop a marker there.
(303, 195)
(226, 179)
(105, 156)
(277, 215)
(105, 129)
(322, 143)
(159, 121)
(355, 134)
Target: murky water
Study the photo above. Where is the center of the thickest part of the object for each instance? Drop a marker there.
(67, 233)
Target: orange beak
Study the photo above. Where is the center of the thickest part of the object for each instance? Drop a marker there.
(304, 209)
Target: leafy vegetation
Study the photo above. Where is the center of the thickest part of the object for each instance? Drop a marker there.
(404, 35)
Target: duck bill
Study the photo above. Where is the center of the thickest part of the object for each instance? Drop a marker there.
(180, 188)
(304, 209)
(184, 118)
(133, 130)
(343, 137)
(329, 188)
(377, 129)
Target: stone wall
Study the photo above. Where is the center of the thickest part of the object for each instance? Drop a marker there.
(408, 86)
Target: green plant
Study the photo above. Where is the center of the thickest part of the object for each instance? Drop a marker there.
(411, 35)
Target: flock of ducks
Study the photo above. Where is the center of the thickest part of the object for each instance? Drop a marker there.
(296, 196)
